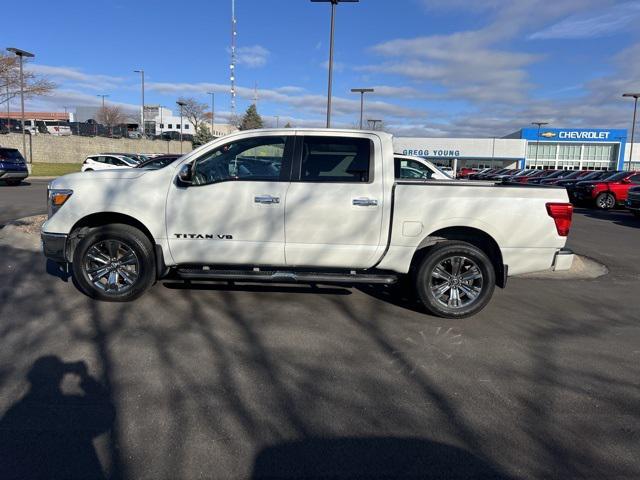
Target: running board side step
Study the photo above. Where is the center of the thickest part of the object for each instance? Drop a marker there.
(284, 276)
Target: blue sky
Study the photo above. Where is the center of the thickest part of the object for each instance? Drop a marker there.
(439, 67)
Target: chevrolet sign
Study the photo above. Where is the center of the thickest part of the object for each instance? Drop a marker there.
(584, 135)
(548, 134)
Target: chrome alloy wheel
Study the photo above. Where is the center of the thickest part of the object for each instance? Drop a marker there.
(112, 266)
(456, 281)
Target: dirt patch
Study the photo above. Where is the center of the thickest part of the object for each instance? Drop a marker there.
(28, 225)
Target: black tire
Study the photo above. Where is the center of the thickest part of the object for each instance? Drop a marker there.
(13, 183)
(429, 280)
(605, 201)
(132, 274)
(89, 170)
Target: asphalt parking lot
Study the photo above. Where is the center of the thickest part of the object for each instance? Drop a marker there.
(221, 381)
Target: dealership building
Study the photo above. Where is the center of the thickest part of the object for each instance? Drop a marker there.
(560, 148)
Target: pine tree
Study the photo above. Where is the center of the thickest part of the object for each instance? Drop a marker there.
(202, 136)
(251, 119)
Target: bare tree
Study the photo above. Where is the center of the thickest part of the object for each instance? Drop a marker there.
(111, 116)
(194, 111)
(34, 85)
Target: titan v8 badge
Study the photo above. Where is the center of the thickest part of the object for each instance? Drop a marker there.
(203, 236)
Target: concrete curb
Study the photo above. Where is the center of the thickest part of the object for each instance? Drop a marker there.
(24, 234)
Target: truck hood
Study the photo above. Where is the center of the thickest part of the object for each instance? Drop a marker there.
(67, 181)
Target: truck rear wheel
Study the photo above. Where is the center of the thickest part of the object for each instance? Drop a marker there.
(455, 279)
(114, 263)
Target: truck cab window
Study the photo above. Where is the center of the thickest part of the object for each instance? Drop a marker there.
(248, 159)
(335, 159)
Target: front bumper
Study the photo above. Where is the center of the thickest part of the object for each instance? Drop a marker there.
(54, 246)
(563, 260)
(13, 174)
(633, 204)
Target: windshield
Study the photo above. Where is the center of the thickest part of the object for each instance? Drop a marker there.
(129, 161)
(616, 176)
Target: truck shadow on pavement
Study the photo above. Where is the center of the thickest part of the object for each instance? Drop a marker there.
(384, 457)
(618, 216)
(49, 434)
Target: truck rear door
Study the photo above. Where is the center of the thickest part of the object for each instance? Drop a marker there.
(334, 204)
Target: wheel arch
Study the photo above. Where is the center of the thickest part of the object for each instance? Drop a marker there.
(474, 236)
(100, 219)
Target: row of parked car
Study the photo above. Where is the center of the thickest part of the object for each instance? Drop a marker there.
(603, 189)
(108, 161)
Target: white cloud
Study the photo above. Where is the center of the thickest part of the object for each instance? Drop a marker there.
(253, 57)
(589, 25)
(77, 76)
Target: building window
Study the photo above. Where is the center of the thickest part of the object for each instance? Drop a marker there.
(186, 127)
(161, 125)
(545, 150)
(169, 126)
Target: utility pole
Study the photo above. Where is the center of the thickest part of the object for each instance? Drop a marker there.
(181, 104)
(141, 72)
(213, 97)
(21, 54)
(633, 124)
(362, 91)
(331, 36)
(232, 66)
(103, 97)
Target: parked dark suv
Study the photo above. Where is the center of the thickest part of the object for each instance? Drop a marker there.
(13, 169)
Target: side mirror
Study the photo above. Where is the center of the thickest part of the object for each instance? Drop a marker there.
(185, 174)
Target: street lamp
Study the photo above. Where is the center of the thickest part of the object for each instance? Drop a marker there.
(181, 104)
(21, 54)
(213, 97)
(633, 125)
(539, 124)
(373, 122)
(362, 91)
(103, 97)
(141, 72)
(333, 14)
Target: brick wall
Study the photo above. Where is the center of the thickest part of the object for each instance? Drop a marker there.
(74, 149)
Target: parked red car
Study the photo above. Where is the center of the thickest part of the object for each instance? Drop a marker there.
(608, 193)
(465, 172)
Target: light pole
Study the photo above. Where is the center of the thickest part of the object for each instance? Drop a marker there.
(180, 104)
(362, 91)
(103, 97)
(21, 54)
(333, 15)
(373, 122)
(633, 125)
(539, 124)
(213, 98)
(141, 72)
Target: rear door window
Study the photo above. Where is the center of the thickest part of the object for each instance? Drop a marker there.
(336, 159)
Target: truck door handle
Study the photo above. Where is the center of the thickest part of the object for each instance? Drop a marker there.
(266, 199)
(365, 202)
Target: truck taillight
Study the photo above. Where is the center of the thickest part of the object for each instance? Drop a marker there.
(561, 214)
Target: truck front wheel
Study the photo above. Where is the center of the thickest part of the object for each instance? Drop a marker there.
(114, 263)
(605, 201)
(455, 279)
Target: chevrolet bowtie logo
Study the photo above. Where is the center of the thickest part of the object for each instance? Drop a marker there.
(548, 134)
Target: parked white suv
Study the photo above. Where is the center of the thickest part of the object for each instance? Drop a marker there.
(107, 162)
(302, 205)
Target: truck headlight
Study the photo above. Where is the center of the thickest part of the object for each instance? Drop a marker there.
(56, 198)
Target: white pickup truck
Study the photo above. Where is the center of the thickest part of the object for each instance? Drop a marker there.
(302, 205)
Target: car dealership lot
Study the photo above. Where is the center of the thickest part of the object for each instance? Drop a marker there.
(542, 383)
